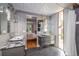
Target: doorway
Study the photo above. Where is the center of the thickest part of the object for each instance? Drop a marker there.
(31, 33)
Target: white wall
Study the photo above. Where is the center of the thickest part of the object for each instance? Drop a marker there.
(20, 26)
(69, 32)
(53, 26)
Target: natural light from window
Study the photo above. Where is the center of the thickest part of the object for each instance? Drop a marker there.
(61, 29)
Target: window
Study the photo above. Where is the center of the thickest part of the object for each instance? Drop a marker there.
(61, 30)
(45, 26)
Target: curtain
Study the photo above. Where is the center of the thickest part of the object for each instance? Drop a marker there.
(69, 32)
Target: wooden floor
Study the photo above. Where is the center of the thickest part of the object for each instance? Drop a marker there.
(31, 43)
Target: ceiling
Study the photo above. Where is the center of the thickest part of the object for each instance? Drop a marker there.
(40, 8)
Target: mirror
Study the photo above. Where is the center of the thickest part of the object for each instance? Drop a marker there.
(40, 25)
